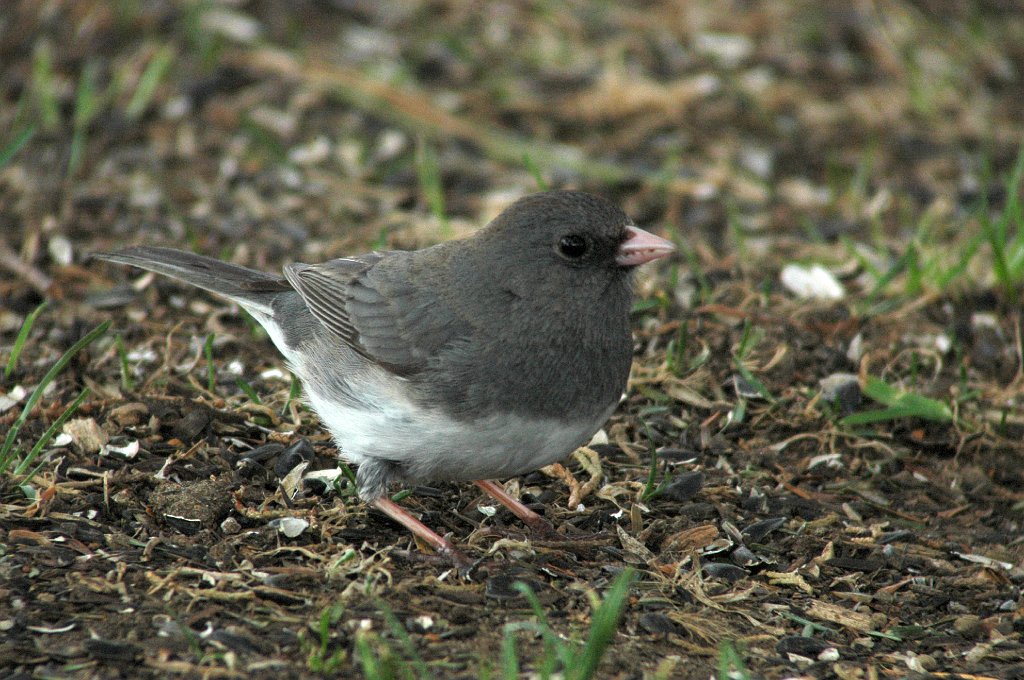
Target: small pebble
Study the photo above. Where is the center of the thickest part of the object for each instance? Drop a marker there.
(726, 572)
(968, 625)
(841, 390)
(299, 452)
(757, 531)
(657, 624)
(803, 646)
(684, 486)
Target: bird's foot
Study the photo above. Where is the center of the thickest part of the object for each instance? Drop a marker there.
(440, 544)
(537, 524)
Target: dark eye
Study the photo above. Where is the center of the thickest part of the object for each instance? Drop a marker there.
(573, 246)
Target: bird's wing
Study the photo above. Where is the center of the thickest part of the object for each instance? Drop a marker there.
(379, 312)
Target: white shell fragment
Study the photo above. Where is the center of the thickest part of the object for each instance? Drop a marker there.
(984, 560)
(60, 250)
(11, 399)
(814, 282)
(128, 451)
(289, 526)
(327, 477)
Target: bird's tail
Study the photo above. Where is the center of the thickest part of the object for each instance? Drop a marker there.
(252, 289)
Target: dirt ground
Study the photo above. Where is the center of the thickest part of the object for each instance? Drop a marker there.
(168, 531)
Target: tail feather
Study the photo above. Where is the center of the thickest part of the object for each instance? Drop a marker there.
(251, 288)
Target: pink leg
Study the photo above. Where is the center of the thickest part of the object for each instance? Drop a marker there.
(418, 528)
(529, 517)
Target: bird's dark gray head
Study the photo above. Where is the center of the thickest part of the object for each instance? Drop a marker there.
(569, 239)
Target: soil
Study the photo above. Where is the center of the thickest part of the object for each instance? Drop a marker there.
(175, 526)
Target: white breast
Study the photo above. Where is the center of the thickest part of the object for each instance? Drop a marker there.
(433, 446)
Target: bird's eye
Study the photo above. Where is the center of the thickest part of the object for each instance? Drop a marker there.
(572, 246)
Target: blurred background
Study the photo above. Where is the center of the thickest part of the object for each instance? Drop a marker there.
(837, 448)
(328, 125)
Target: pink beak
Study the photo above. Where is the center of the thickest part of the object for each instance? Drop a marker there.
(641, 246)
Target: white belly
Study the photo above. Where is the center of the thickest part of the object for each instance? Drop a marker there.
(431, 446)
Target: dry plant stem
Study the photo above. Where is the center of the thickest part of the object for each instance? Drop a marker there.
(10, 261)
(529, 517)
(418, 528)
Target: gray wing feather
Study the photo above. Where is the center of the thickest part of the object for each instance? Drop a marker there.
(378, 311)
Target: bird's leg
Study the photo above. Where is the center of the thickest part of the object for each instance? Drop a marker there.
(439, 543)
(529, 517)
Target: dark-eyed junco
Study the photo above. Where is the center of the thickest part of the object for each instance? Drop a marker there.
(475, 359)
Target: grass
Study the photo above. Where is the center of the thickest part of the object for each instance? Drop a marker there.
(1004, 234)
(8, 454)
(320, 657)
(577, 662)
(154, 73)
(652, 489)
(429, 173)
(730, 663)
(89, 103)
(248, 390)
(675, 354)
(211, 367)
(127, 382)
(899, 404)
(930, 263)
(37, 449)
(44, 87)
(748, 340)
(16, 144)
(294, 392)
(19, 342)
(396, 656)
(924, 263)
(91, 100)
(921, 268)
(535, 172)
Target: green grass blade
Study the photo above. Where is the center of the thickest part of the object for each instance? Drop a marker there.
(676, 352)
(651, 488)
(899, 405)
(19, 342)
(294, 390)
(50, 431)
(874, 416)
(748, 340)
(37, 393)
(509, 658)
(367, 659)
(915, 404)
(534, 170)
(398, 630)
(127, 384)
(248, 390)
(16, 144)
(555, 649)
(211, 370)
(88, 103)
(429, 174)
(44, 86)
(730, 663)
(155, 71)
(603, 626)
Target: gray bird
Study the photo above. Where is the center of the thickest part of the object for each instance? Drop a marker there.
(480, 358)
